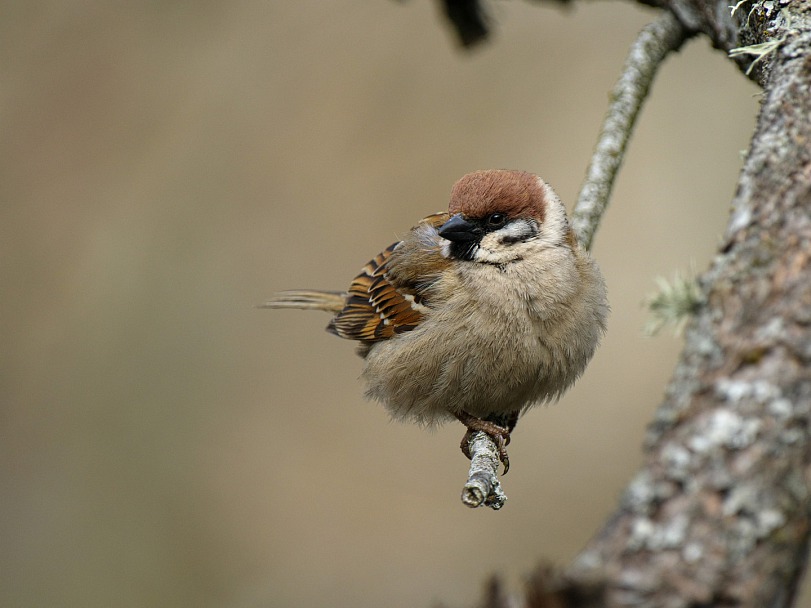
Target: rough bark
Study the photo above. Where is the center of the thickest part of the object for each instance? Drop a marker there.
(719, 513)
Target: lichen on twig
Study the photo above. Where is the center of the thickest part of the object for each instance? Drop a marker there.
(483, 487)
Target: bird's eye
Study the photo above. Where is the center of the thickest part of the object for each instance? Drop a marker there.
(496, 219)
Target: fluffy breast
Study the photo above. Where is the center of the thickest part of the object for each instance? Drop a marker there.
(496, 340)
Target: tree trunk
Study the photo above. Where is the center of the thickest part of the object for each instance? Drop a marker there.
(719, 513)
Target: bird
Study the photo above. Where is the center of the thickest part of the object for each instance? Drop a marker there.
(479, 313)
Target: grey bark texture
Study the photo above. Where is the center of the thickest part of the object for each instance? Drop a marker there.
(654, 43)
(483, 488)
(718, 515)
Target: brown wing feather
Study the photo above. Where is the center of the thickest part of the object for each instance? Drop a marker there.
(379, 307)
(375, 309)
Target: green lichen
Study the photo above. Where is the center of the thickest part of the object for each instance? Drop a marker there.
(673, 304)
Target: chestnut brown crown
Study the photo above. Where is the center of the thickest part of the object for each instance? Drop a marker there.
(516, 193)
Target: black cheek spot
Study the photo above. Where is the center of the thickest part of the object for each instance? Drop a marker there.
(509, 239)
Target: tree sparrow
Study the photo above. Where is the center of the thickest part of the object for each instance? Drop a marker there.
(478, 313)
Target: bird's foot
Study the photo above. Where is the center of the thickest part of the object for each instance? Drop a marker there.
(499, 434)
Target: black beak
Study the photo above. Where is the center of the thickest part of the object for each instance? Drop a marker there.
(459, 230)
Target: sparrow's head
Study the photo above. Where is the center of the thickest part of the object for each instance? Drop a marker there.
(500, 216)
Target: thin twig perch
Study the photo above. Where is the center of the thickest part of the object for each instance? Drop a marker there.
(483, 487)
(655, 42)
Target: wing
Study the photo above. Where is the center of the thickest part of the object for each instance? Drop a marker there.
(389, 296)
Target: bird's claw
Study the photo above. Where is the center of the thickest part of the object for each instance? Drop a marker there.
(499, 435)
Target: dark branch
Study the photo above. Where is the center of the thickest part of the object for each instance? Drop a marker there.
(468, 19)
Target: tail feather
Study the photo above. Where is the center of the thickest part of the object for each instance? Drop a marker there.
(305, 299)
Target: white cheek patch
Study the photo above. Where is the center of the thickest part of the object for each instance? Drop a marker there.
(507, 244)
(555, 225)
(486, 255)
(515, 231)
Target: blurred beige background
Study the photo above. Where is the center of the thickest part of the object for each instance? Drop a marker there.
(167, 165)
